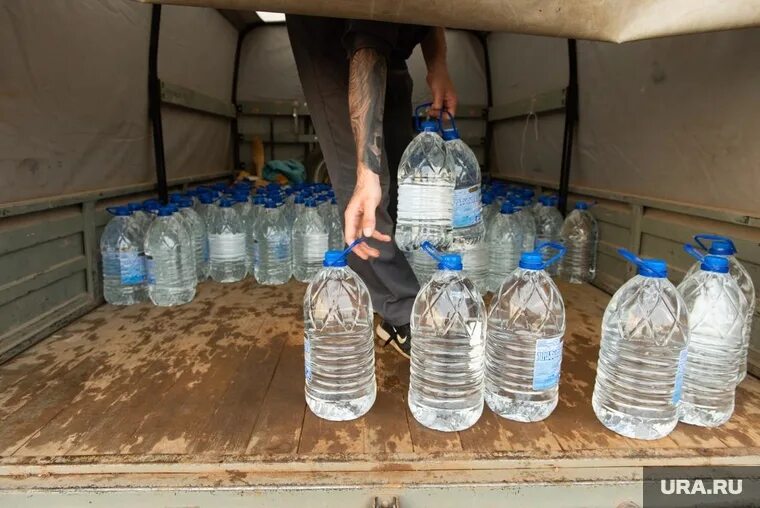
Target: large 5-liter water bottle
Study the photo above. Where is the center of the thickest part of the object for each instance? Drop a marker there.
(310, 241)
(527, 222)
(121, 247)
(505, 242)
(526, 326)
(199, 236)
(170, 261)
(274, 251)
(716, 321)
(580, 235)
(467, 219)
(447, 367)
(226, 241)
(548, 225)
(642, 354)
(724, 247)
(339, 352)
(425, 192)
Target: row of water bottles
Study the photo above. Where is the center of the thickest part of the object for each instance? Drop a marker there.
(670, 353)
(463, 355)
(441, 200)
(160, 253)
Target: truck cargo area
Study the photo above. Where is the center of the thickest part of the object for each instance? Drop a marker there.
(210, 394)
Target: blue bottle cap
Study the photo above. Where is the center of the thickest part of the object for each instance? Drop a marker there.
(206, 198)
(270, 203)
(722, 248)
(151, 202)
(430, 126)
(219, 186)
(184, 203)
(531, 261)
(240, 197)
(486, 198)
(450, 262)
(450, 134)
(225, 203)
(507, 208)
(134, 206)
(119, 211)
(718, 264)
(581, 205)
(334, 258)
(165, 211)
(656, 268)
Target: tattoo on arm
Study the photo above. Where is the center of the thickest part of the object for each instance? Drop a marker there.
(366, 102)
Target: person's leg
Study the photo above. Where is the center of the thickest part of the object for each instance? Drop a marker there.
(323, 69)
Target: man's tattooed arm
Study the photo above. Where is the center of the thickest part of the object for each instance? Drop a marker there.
(366, 101)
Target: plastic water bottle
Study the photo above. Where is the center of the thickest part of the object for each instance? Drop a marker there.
(724, 247)
(206, 206)
(527, 223)
(448, 332)
(226, 241)
(170, 261)
(548, 225)
(141, 217)
(475, 265)
(467, 219)
(252, 243)
(505, 242)
(425, 192)
(716, 321)
(335, 239)
(242, 206)
(642, 355)
(121, 248)
(274, 251)
(339, 351)
(310, 240)
(197, 229)
(526, 326)
(580, 235)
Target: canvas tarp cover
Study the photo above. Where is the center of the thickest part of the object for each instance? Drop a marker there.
(605, 20)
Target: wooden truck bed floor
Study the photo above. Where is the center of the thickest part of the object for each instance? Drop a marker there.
(211, 393)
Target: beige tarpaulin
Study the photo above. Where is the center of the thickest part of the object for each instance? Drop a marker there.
(604, 20)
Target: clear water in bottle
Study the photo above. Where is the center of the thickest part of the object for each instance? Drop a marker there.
(273, 234)
(447, 366)
(580, 235)
(425, 192)
(716, 322)
(526, 326)
(548, 225)
(252, 225)
(170, 260)
(475, 261)
(505, 242)
(642, 355)
(226, 240)
(467, 219)
(200, 240)
(121, 249)
(334, 227)
(527, 224)
(724, 247)
(310, 241)
(339, 352)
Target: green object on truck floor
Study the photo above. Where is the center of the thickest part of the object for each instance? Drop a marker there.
(291, 169)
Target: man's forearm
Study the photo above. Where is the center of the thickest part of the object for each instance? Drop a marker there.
(434, 48)
(366, 102)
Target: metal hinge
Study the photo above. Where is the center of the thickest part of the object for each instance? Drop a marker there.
(392, 503)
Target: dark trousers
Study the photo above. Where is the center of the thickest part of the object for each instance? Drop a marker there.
(323, 67)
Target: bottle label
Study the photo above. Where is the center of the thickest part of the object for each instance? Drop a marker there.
(547, 363)
(131, 268)
(150, 270)
(424, 202)
(678, 388)
(467, 207)
(307, 357)
(226, 247)
(315, 247)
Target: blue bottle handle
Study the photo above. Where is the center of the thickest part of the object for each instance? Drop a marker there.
(434, 253)
(561, 250)
(644, 267)
(693, 252)
(417, 110)
(705, 236)
(453, 123)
